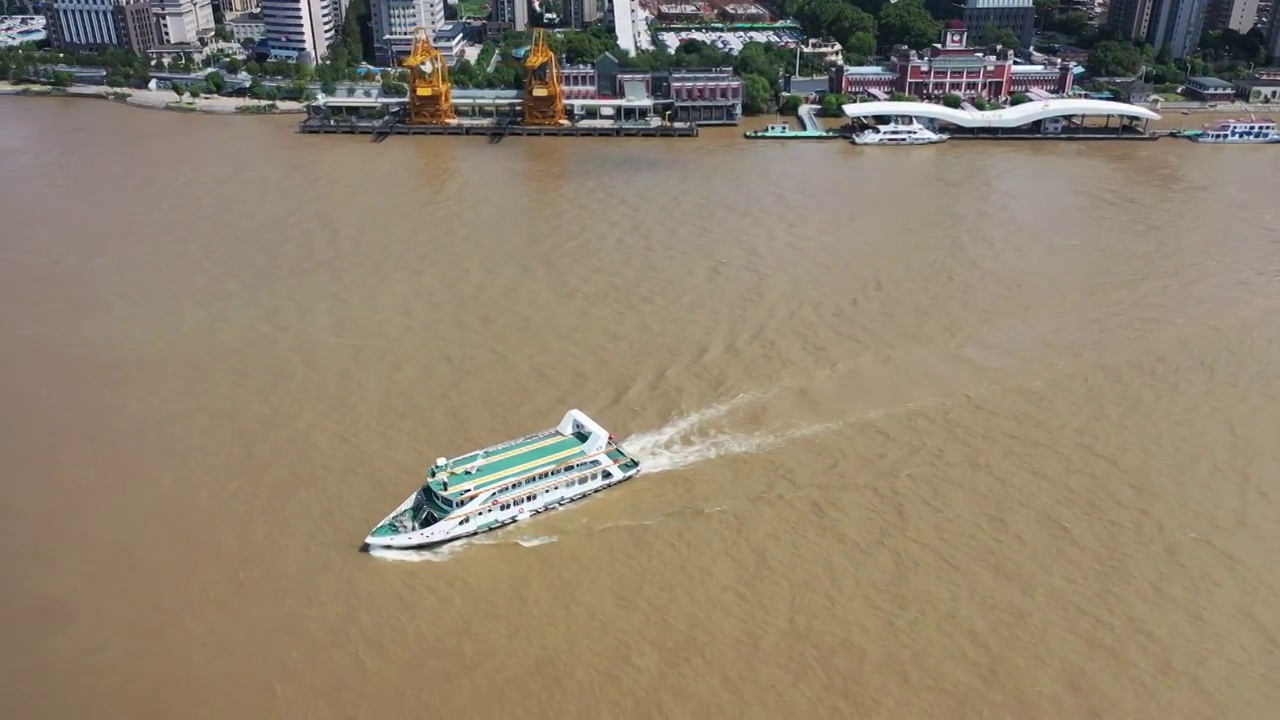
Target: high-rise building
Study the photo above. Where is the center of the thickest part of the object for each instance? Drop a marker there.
(581, 13)
(1238, 15)
(1273, 33)
(393, 23)
(1130, 18)
(183, 21)
(513, 12)
(1016, 16)
(1172, 25)
(236, 7)
(94, 24)
(294, 27)
(1175, 26)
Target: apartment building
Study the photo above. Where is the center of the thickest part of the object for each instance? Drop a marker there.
(97, 24)
(181, 22)
(393, 23)
(1238, 15)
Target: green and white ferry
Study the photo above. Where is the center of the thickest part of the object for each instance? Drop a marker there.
(506, 483)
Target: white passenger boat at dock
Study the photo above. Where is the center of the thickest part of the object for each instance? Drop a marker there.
(1254, 131)
(506, 483)
(896, 133)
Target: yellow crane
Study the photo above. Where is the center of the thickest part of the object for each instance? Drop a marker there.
(430, 93)
(543, 96)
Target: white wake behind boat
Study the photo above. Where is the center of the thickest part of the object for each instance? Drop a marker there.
(899, 134)
(505, 483)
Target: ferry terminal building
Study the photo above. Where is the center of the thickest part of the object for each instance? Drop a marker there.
(952, 67)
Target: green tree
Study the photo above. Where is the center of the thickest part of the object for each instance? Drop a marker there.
(347, 50)
(234, 66)
(253, 68)
(215, 82)
(463, 73)
(1111, 58)
(831, 103)
(1018, 98)
(328, 88)
(114, 81)
(754, 59)
(907, 22)
(391, 88)
(351, 91)
(757, 94)
(586, 46)
(791, 103)
(992, 35)
(836, 19)
(952, 100)
(159, 65)
(178, 90)
(195, 90)
(861, 45)
(1073, 24)
(256, 89)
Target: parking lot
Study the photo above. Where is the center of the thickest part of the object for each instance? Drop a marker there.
(732, 41)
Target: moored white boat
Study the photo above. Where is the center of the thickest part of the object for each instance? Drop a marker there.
(505, 483)
(1239, 132)
(899, 134)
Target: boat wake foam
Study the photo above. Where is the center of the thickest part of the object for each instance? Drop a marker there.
(432, 555)
(694, 438)
(448, 551)
(536, 541)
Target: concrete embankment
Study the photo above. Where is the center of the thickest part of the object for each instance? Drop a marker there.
(158, 100)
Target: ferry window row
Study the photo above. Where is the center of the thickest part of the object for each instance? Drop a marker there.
(544, 475)
(587, 477)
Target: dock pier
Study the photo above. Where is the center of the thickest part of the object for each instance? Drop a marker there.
(496, 130)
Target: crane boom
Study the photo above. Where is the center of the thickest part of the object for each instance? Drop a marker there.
(430, 92)
(543, 95)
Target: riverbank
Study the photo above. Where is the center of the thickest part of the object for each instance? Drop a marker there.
(1185, 108)
(160, 100)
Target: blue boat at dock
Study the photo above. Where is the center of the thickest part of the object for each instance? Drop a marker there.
(783, 131)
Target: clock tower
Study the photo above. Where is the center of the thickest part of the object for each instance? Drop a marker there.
(954, 35)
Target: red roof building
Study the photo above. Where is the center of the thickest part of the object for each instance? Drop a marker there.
(952, 67)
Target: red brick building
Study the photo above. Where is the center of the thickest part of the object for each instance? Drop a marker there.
(952, 67)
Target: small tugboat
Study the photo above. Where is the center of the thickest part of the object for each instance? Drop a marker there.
(895, 133)
(506, 483)
(1239, 132)
(812, 129)
(785, 131)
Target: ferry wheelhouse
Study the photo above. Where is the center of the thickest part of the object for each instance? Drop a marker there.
(1239, 132)
(506, 483)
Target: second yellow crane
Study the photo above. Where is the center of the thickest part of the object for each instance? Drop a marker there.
(430, 92)
(543, 96)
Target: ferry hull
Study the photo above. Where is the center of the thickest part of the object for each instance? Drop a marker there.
(1260, 141)
(405, 542)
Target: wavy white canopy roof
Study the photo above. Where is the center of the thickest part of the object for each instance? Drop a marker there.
(1009, 117)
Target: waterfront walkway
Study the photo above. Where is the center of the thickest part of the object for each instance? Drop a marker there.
(154, 99)
(809, 118)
